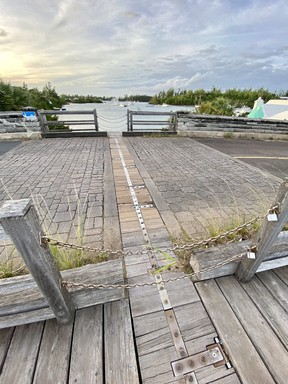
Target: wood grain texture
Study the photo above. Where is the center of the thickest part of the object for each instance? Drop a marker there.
(262, 336)
(22, 301)
(5, 339)
(276, 286)
(54, 354)
(21, 358)
(275, 315)
(120, 358)
(87, 347)
(266, 235)
(242, 353)
(20, 221)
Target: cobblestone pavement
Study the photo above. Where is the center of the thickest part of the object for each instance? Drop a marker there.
(64, 177)
(203, 187)
(71, 183)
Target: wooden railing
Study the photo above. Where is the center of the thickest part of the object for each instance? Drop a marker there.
(46, 123)
(269, 231)
(26, 299)
(135, 121)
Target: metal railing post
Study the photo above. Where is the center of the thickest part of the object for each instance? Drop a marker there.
(21, 223)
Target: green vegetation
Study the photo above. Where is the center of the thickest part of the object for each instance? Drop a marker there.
(141, 98)
(15, 98)
(234, 97)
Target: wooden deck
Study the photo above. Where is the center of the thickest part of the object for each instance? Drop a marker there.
(97, 348)
(251, 320)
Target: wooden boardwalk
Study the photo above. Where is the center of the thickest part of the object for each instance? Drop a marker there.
(97, 348)
(157, 330)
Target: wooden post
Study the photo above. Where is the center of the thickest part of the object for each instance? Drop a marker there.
(43, 121)
(95, 120)
(21, 223)
(266, 236)
(128, 121)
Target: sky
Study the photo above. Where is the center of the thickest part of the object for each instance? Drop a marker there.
(117, 47)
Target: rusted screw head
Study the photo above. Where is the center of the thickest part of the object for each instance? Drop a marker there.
(191, 363)
(190, 379)
(179, 367)
(176, 334)
(203, 359)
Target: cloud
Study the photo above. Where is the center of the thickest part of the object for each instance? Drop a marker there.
(3, 33)
(116, 47)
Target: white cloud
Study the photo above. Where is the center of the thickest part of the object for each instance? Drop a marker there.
(117, 47)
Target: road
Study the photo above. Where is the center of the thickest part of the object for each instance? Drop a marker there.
(269, 156)
(5, 146)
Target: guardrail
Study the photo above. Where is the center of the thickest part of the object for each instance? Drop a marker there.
(136, 121)
(46, 123)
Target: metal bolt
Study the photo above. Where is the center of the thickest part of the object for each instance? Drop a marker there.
(176, 334)
(165, 301)
(182, 352)
(161, 288)
(203, 359)
(179, 367)
(191, 363)
(190, 379)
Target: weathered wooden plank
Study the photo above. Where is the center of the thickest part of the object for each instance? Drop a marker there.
(21, 358)
(283, 274)
(21, 223)
(269, 307)
(87, 348)
(205, 259)
(152, 331)
(266, 235)
(54, 354)
(120, 358)
(22, 302)
(26, 317)
(231, 379)
(264, 339)
(5, 339)
(276, 287)
(244, 356)
(271, 264)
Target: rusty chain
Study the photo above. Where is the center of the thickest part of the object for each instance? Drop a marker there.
(69, 284)
(207, 242)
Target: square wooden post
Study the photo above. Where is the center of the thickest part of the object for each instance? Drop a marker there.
(21, 223)
(266, 235)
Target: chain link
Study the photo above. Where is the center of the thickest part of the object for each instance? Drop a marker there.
(70, 284)
(198, 244)
(176, 247)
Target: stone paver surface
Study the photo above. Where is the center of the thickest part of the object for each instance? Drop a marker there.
(203, 187)
(64, 178)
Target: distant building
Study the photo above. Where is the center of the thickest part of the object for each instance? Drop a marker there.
(276, 109)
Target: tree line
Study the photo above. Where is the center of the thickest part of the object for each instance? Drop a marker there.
(214, 101)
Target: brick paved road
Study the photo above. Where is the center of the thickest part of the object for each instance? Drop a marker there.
(64, 177)
(201, 185)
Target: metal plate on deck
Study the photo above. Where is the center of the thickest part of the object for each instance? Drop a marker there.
(193, 362)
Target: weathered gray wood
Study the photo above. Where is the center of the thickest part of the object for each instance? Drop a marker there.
(53, 359)
(276, 287)
(20, 221)
(22, 302)
(153, 333)
(264, 339)
(87, 348)
(283, 274)
(244, 356)
(269, 307)
(5, 339)
(120, 358)
(95, 120)
(21, 358)
(204, 259)
(231, 379)
(266, 235)
(271, 264)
